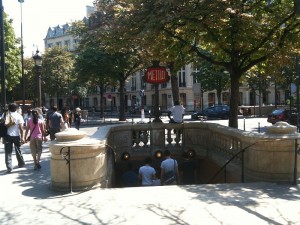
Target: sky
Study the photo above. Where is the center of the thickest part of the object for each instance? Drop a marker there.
(39, 15)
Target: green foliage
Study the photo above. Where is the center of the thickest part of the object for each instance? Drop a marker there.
(12, 57)
(235, 35)
(211, 77)
(57, 72)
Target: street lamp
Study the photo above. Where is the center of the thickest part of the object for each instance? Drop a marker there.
(22, 58)
(3, 86)
(38, 64)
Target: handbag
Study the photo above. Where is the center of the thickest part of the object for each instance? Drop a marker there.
(170, 176)
(9, 120)
(3, 128)
(47, 132)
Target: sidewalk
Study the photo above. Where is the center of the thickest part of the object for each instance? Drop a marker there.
(26, 198)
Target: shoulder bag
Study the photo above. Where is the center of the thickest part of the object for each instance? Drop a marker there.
(3, 128)
(28, 139)
(170, 176)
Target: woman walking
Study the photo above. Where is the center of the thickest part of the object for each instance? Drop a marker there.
(36, 129)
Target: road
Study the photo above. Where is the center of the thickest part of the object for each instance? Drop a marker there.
(253, 124)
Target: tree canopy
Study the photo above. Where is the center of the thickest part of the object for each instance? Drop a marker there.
(12, 57)
(233, 34)
(57, 71)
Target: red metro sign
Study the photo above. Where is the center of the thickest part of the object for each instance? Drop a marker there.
(156, 75)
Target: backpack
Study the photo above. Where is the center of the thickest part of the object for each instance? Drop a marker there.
(3, 128)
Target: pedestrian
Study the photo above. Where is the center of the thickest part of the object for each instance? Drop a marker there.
(147, 173)
(65, 115)
(36, 129)
(130, 177)
(14, 123)
(27, 116)
(77, 118)
(55, 122)
(169, 170)
(48, 115)
(71, 115)
(177, 111)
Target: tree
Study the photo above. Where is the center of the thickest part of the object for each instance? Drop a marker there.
(124, 58)
(235, 35)
(12, 59)
(211, 78)
(94, 66)
(57, 72)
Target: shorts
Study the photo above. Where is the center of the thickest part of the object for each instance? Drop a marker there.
(36, 145)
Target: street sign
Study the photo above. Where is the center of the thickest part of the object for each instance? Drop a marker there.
(156, 75)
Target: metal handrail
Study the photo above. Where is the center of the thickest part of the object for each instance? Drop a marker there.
(232, 158)
(67, 157)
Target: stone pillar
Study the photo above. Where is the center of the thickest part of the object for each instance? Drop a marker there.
(88, 162)
(274, 158)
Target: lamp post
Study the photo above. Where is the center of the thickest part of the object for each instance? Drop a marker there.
(3, 86)
(38, 63)
(22, 59)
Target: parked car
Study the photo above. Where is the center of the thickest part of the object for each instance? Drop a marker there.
(286, 115)
(217, 111)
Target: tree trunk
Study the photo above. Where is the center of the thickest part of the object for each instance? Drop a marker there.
(174, 82)
(219, 97)
(122, 100)
(234, 101)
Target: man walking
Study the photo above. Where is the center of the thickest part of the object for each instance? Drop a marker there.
(55, 121)
(14, 123)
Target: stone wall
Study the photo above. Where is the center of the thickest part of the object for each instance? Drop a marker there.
(251, 157)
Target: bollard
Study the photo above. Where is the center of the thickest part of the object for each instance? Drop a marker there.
(244, 124)
(258, 127)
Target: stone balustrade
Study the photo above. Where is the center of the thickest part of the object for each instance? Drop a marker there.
(270, 156)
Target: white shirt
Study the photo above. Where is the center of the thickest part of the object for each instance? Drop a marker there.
(168, 165)
(14, 130)
(177, 112)
(147, 173)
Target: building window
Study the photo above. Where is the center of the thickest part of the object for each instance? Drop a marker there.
(50, 45)
(143, 84)
(58, 44)
(95, 102)
(252, 98)
(164, 85)
(265, 98)
(113, 89)
(182, 97)
(196, 78)
(181, 76)
(211, 99)
(225, 98)
(241, 102)
(86, 102)
(286, 96)
(68, 44)
(133, 83)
